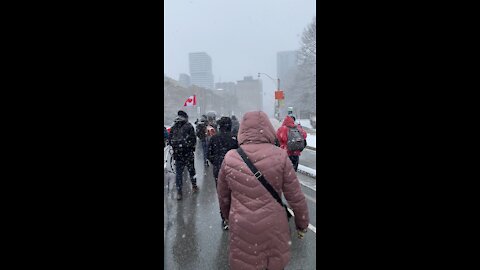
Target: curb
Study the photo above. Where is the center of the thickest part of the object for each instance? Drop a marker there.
(311, 148)
(306, 173)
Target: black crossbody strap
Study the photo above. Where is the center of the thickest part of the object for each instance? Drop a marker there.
(259, 176)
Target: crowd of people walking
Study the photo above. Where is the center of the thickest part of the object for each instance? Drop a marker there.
(253, 165)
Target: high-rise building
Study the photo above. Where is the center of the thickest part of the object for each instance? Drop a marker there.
(227, 86)
(201, 69)
(287, 69)
(229, 92)
(184, 80)
(249, 95)
(287, 63)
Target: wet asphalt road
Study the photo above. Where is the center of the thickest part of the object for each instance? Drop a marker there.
(193, 235)
(308, 158)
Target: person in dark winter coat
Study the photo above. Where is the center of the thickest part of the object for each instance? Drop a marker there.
(182, 139)
(282, 135)
(211, 121)
(219, 145)
(165, 136)
(201, 131)
(235, 125)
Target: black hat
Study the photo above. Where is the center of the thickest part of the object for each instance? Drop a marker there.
(183, 114)
(225, 124)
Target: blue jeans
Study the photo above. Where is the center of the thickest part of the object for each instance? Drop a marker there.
(180, 166)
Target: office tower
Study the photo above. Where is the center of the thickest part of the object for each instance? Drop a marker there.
(287, 63)
(184, 80)
(201, 70)
(249, 95)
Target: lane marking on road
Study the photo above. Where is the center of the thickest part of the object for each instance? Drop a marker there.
(310, 226)
(308, 185)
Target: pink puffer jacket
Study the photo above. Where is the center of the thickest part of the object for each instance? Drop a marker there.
(259, 232)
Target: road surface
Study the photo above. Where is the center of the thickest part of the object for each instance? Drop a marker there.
(193, 235)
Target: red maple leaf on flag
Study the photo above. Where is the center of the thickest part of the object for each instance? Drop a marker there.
(191, 101)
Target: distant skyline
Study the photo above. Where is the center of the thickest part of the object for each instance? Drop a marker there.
(241, 36)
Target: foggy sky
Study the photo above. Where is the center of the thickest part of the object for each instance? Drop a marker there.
(242, 36)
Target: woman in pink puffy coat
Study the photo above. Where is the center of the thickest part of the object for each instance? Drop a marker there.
(259, 231)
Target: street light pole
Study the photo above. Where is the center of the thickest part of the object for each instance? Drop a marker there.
(277, 102)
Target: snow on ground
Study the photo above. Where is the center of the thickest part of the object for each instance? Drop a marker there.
(310, 171)
(275, 123)
(312, 140)
(305, 123)
(307, 169)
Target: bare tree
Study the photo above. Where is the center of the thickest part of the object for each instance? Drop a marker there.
(308, 49)
(304, 92)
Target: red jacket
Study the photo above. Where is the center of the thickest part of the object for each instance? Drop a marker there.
(282, 135)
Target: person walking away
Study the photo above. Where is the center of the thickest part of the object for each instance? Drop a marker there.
(165, 136)
(183, 141)
(235, 125)
(259, 230)
(292, 138)
(201, 131)
(219, 145)
(299, 127)
(211, 127)
(211, 119)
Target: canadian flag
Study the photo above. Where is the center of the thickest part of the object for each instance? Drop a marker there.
(191, 101)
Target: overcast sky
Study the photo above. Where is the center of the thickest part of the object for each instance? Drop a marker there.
(241, 36)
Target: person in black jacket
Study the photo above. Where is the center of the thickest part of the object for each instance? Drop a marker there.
(218, 147)
(235, 125)
(165, 136)
(201, 131)
(182, 139)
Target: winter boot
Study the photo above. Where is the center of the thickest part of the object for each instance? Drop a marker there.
(179, 195)
(194, 184)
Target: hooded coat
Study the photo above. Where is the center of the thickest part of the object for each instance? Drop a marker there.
(201, 129)
(282, 135)
(235, 125)
(221, 143)
(259, 230)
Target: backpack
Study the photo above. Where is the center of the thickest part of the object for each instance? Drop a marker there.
(179, 138)
(295, 140)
